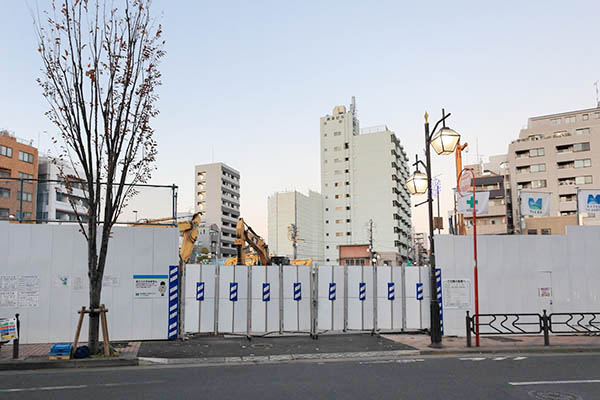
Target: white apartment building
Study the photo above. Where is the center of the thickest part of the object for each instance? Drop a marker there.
(217, 199)
(54, 202)
(306, 213)
(363, 175)
(557, 153)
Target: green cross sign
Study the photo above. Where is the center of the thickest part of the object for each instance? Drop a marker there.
(470, 202)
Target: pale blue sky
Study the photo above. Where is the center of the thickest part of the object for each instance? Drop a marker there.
(248, 80)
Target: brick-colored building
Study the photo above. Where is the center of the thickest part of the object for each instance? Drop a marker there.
(18, 159)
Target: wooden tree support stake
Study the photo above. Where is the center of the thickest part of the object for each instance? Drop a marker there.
(102, 311)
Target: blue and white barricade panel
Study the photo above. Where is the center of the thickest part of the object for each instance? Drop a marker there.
(297, 291)
(362, 291)
(266, 291)
(233, 291)
(438, 284)
(173, 302)
(200, 291)
(330, 315)
(391, 292)
(419, 291)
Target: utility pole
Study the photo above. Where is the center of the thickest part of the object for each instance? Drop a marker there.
(371, 250)
(293, 236)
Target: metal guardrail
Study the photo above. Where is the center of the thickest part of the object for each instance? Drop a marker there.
(532, 324)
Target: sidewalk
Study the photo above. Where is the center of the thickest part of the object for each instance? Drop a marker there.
(498, 344)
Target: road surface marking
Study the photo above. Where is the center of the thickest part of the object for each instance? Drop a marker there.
(500, 358)
(46, 388)
(472, 359)
(554, 382)
(519, 358)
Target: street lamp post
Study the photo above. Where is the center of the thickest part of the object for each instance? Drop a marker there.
(443, 142)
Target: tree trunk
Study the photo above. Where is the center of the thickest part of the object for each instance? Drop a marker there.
(93, 332)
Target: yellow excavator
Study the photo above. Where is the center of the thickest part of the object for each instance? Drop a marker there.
(188, 229)
(260, 249)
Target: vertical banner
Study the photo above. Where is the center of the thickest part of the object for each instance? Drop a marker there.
(464, 205)
(173, 302)
(419, 291)
(332, 290)
(438, 284)
(588, 201)
(535, 204)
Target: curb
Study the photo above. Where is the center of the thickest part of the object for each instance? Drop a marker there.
(517, 350)
(20, 365)
(276, 358)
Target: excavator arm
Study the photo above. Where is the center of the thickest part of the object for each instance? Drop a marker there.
(245, 234)
(190, 234)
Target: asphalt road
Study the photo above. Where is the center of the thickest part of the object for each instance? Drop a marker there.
(542, 377)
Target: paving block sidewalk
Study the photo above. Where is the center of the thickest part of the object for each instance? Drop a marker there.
(126, 350)
(516, 343)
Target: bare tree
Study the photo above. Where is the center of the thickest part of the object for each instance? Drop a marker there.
(99, 75)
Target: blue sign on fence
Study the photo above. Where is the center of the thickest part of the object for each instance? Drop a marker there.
(419, 291)
(332, 291)
(233, 291)
(362, 291)
(391, 291)
(438, 284)
(297, 291)
(266, 292)
(200, 291)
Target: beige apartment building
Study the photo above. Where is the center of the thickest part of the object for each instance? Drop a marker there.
(556, 153)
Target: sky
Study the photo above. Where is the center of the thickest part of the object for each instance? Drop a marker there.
(245, 82)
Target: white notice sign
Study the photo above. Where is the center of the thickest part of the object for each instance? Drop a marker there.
(150, 286)
(456, 293)
(110, 281)
(9, 299)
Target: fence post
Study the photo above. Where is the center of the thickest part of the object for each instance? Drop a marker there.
(16, 341)
(468, 325)
(545, 326)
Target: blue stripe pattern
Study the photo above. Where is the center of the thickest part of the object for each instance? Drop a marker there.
(332, 291)
(419, 291)
(266, 292)
(297, 291)
(391, 291)
(362, 291)
(173, 326)
(233, 291)
(200, 291)
(438, 284)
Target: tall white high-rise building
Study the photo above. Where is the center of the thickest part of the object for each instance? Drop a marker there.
(286, 209)
(363, 175)
(217, 199)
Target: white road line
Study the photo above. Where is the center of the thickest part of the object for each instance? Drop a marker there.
(554, 382)
(519, 358)
(472, 359)
(46, 388)
(500, 358)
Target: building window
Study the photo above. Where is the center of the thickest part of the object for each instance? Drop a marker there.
(339, 221)
(585, 117)
(583, 163)
(3, 212)
(61, 197)
(555, 121)
(581, 146)
(4, 193)
(583, 180)
(337, 160)
(582, 131)
(532, 231)
(5, 151)
(28, 197)
(540, 183)
(536, 152)
(337, 133)
(28, 158)
(546, 231)
(337, 196)
(570, 120)
(338, 172)
(4, 173)
(337, 148)
(338, 234)
(538, 168)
